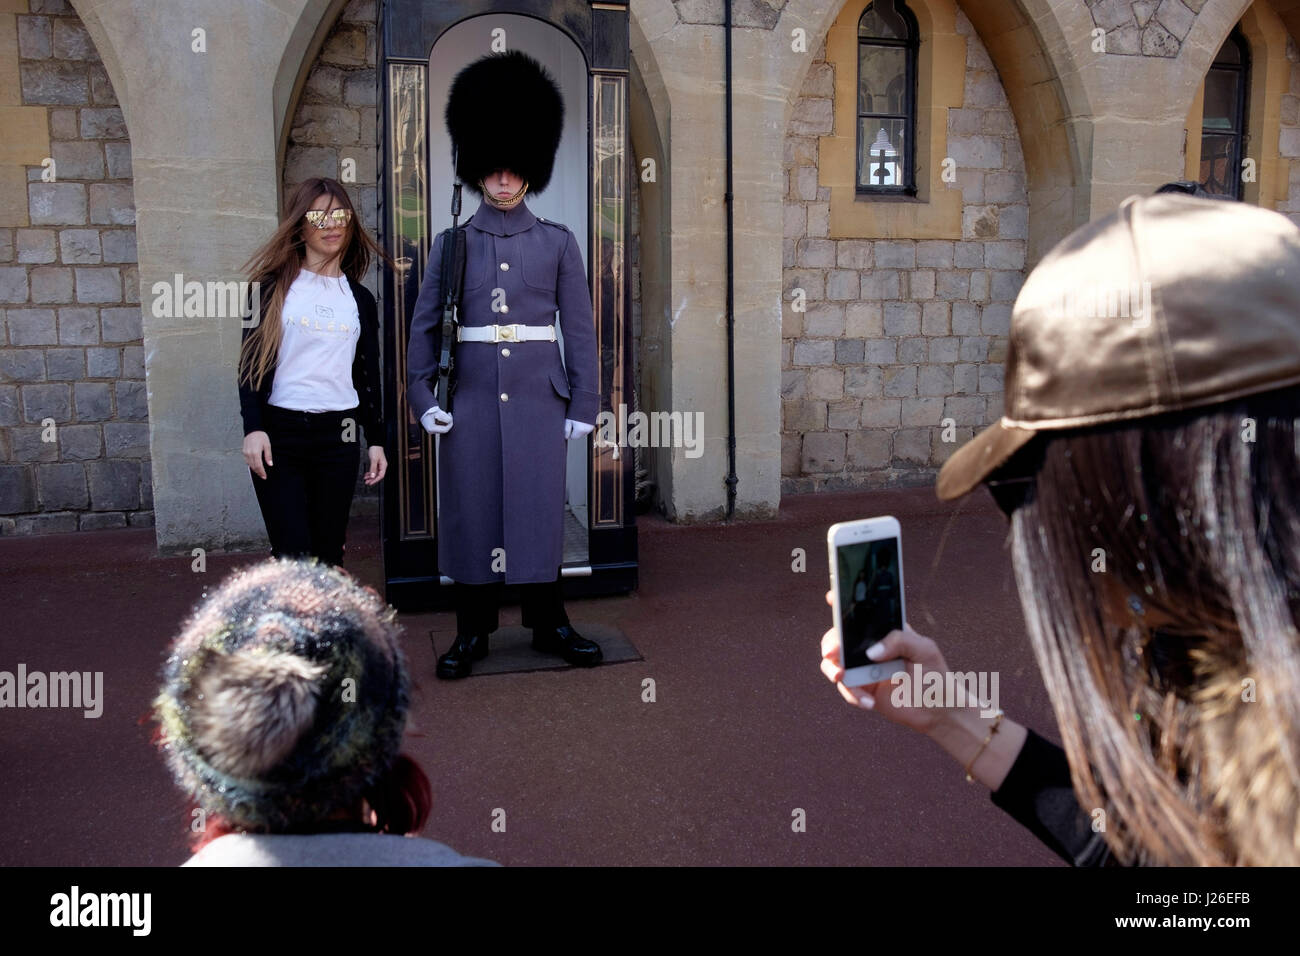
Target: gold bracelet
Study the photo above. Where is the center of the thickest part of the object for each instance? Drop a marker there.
(997, 720)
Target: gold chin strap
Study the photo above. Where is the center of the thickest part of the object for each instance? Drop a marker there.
(510, 203)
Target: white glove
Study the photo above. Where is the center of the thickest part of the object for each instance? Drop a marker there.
(436, 421)
(574, 429)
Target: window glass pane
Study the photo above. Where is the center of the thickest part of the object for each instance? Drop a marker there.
(1219, 170)
(1221, 100)
(882, 79)
(1229, 52)
(881, 148)
(881, 20)
(610, 209)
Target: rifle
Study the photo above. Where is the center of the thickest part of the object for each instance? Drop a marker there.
(453, 279)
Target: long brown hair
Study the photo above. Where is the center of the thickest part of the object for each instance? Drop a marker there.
(276, 264)
(1186, 733)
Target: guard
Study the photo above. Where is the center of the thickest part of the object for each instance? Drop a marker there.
(501, 461)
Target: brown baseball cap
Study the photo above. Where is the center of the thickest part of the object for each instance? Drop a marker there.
(1171, 302)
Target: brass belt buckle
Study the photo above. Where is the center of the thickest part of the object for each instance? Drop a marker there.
(506, 333)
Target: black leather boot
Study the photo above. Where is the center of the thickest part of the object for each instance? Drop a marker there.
(566, 642)
(459, 661)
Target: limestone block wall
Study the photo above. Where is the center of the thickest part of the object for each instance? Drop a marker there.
(899, 334)
(1289, 142)
(74, 431)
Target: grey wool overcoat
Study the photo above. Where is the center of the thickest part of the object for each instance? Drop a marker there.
(501, 466)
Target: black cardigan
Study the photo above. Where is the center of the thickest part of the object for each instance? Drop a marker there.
(1039, 794)
(365, 372)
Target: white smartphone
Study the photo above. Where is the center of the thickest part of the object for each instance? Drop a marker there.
(866, 559)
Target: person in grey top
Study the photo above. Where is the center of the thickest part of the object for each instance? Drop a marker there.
(282, 710)
(329, 849)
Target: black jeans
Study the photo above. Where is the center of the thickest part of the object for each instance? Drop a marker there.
(542, 606)
(307, 493)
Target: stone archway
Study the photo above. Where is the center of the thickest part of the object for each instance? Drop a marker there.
(767, 79)
(1036, 47)
(207, 186)
(1211, 28)
(206, 164)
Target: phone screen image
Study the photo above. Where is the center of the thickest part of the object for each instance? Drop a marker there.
(870, 600)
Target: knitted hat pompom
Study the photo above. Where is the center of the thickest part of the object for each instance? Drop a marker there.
(259, 705)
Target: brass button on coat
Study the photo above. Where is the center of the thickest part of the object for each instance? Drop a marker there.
(505, 267)
(505, 351)
(505, 397)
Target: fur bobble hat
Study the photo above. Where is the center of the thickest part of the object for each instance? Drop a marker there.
(505, 111)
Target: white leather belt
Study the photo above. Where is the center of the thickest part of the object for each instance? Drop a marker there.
(506, 333)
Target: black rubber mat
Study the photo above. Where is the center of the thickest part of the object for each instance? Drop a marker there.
(512, 651)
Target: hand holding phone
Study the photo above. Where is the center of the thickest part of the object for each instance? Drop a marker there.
(866, 562)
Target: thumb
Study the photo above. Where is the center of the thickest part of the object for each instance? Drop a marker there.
(907, 644)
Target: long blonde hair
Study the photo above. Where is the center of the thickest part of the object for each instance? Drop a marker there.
(276, 264)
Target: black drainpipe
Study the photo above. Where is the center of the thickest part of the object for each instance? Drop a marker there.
(731, 479)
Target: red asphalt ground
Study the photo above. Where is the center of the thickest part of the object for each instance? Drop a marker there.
(744, 731)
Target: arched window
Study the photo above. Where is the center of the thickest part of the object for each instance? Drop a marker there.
(887, 43)
(1223, 125)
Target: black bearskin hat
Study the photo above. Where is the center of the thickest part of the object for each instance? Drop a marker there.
(505, 111)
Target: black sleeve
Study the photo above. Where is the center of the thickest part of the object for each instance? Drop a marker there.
(424, 343)
(250, 400)
(365, 370)
(1039, 794)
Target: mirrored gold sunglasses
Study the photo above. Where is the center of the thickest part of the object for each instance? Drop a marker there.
(325, 220)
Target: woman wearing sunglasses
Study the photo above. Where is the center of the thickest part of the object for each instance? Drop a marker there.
(309, 373)
(1148, 460)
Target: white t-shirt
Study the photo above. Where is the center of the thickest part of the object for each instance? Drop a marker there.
(321, 329)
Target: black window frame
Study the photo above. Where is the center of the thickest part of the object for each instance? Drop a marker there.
(1241, 134)
(911, 45)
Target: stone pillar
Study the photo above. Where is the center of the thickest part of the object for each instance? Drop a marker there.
(685, 79)
(197, 82)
